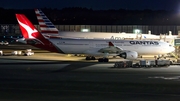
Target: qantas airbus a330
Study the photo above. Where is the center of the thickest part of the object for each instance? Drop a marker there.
(127, 49)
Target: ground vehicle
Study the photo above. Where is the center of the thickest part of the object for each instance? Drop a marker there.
(28, 52)
(147, 63)
(163, 62)
(16, 53)
(142, 63)
(4, 43)
(1, 52)
(154, 63)
(123, 64)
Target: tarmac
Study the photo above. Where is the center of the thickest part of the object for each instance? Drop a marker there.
(52, 76)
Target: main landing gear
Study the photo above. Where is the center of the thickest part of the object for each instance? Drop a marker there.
(103, 60)
(90, 58)
(99, 60)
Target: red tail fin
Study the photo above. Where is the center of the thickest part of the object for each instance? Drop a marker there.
(30, 32)
(27, 28)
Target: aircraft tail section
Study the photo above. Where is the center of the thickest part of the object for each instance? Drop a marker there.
(32, 36)
(28, 30)
(46, 26)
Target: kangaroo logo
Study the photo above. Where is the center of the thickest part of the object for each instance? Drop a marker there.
(29, 31)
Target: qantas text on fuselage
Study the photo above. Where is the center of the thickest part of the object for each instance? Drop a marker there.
(144, 42)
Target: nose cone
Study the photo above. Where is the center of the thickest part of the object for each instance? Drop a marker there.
(172, 49)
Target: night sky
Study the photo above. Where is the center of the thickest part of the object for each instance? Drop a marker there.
(94, 4)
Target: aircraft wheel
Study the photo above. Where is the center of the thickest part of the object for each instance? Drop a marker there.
(100, 60)
(88, 58)
(103, 60)
(106, 60)
(93, 58)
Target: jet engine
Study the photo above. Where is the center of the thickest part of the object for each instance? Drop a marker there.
(129, 55)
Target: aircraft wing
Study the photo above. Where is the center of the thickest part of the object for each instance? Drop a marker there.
(111, 49)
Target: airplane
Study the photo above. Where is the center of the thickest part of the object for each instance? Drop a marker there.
(21, 40)
(127, 49)
(4, 43)
(49, 29)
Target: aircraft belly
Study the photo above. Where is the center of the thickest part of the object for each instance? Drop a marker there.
(74, 50)
(149, 51)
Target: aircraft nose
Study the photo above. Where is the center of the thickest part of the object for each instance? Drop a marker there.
(172, 49)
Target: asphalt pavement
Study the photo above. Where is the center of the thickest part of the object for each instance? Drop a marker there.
(37, 78)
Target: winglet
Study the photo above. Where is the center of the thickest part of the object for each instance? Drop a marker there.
(111, 44)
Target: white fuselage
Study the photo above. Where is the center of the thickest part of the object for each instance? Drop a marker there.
(113, 36)
(82, 46)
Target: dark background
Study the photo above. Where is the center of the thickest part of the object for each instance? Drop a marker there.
(85, 16)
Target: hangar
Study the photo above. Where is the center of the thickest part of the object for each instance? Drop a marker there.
(11, 29)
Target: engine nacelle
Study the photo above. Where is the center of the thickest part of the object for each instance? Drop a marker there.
(129, 55)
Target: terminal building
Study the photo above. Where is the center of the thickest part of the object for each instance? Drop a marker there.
(157, 30)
